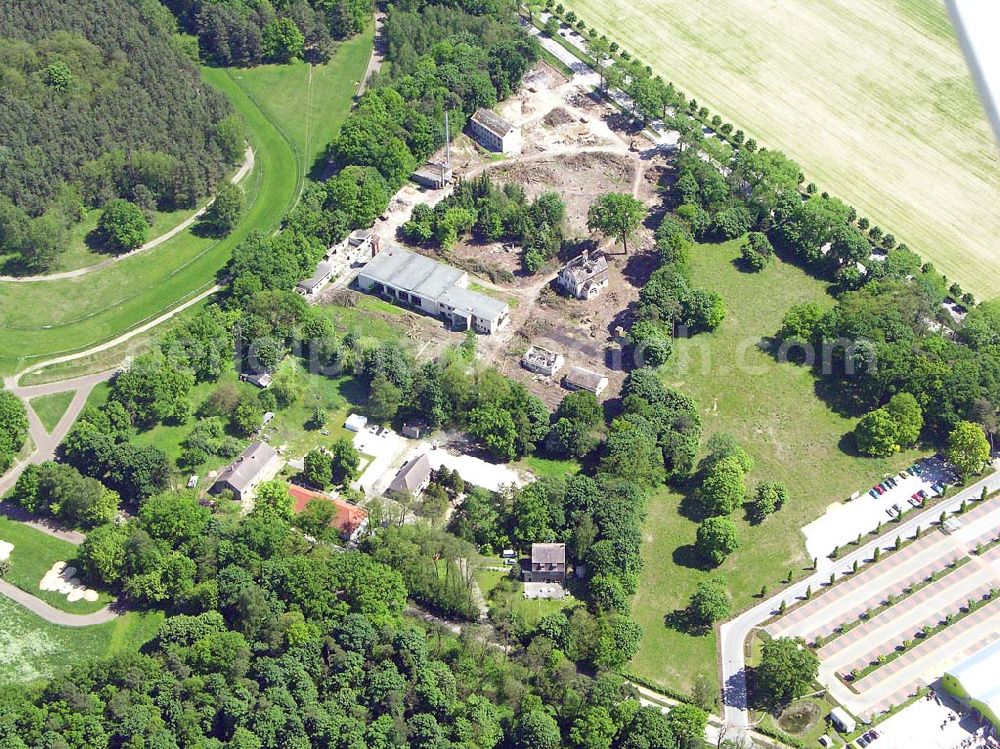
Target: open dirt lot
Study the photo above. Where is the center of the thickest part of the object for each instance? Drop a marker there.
(580, 148)
(872, 98)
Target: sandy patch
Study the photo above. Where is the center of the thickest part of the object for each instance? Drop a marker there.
(62, 579)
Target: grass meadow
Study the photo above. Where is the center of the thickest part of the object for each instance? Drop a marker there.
(31, 649)
(872, 97)
(794, 437)
(50, 408)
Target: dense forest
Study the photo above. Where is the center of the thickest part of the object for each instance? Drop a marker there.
(247, 32)
(98, 100)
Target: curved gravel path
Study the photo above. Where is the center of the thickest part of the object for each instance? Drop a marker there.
(248, 163)
(52, 614)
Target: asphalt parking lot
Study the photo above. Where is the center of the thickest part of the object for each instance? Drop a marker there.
(843, 521)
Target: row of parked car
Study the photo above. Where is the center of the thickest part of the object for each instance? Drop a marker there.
(865, 739)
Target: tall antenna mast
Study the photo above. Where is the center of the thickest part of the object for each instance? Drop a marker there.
(447, 140)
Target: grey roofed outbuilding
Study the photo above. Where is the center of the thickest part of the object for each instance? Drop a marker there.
(241, 473)
(585, 379)
(480, 305)
(323, 271)
(492, 122)
(412, 272)
(412, 476)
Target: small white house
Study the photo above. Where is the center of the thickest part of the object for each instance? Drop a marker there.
(542, 361)
(494, 132)
(579, 378)
(315, 283)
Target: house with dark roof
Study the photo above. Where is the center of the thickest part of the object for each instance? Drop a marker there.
(494, 132)
(349, 520)
(585, 276)
(413, 477)
(579, 378)
(547, 564)
(259, 462)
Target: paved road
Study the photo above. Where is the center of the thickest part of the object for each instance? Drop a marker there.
(46, 442)
(52, 614)
(248, 163)
(377, 55)
(733, 634)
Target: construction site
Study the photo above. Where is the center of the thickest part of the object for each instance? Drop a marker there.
(577, 145)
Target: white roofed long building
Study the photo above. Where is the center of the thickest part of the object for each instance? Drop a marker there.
(976, 682)
(413, 280)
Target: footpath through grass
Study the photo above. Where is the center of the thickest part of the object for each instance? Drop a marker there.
(32, 649)
(34, 554)
(309, 103)
(773, 409)
(46, 319)
(50, 408)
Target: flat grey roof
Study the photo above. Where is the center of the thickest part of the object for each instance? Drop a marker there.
(478, 304)
(323, 271)
(412, 272)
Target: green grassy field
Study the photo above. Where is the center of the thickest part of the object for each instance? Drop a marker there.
(49, 318)
(78, 252)
(773, 409)
(872, 98)
(34, 554)
(32, 649)
(45, 319)
(307, 102)
(50, 408)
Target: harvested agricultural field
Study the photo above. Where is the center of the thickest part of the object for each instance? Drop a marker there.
(871, 97)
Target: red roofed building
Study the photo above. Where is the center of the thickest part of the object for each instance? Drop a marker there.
(350, 519)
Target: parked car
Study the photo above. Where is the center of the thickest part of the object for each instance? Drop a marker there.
(923, 494)
(873, 493)
(862, 742)
(913, 501)
(904, 473)
(879, 489)
(892, 482)
(874, 734)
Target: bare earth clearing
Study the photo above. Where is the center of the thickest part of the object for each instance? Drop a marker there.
(872, 98)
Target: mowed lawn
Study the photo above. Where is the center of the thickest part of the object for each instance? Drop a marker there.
(50, 408)
(32, 649)
(794, 438)
(45, 319)
(871, 97)
(33, 555)
(308, 102)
